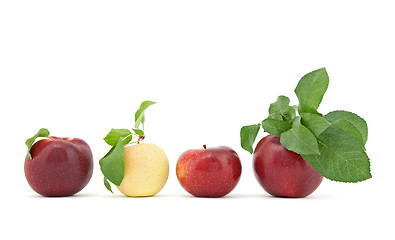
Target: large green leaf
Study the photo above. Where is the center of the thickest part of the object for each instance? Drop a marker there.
(112, 164)
(353, 118)
(299, 139)
(311, 89)
(348, 127)
(342, 158)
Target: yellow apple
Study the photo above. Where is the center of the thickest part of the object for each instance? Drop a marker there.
(146, 170)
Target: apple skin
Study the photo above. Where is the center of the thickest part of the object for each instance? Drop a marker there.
(211, 172)
(146, 170)
(59, 166)
(283, 173)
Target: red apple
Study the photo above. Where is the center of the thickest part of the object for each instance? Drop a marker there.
(281, 172)
(209, 172)
(59, 166)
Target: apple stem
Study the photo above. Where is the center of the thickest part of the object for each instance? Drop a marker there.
(204, 146)
(141, 138)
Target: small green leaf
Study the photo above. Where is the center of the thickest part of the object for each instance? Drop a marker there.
(299, 139)
(112, 164)
(276, 116)
(127, 139)
(107, 184)
(139, 116)
(43, 132)
(281, 108)
(356, 120)
(311, 89)
(290, 113)
(275, 127)
(115, 134)
(248, 135)
(139, 132)
(315, 123)
(280, 105)
(342, 158)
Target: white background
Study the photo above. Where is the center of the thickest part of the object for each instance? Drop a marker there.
(80, 68)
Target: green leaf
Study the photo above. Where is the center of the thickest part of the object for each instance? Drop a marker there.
(115, 134)
(107, 184)
(311, 89)
(127, 139)
(112, 164)
(139, 116)
(315, 123)
(277, 116)
(139, 132)
(280, 105)
(353, 118)
(275, 127)
(299, 139)
(342, 158)
(248, 135)
(281, 108)
(43, 132)
(348, 127)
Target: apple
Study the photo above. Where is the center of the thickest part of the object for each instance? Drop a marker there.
(281, 172)
(138, 170)
(209, 172)
(146, 170)
(59, 166)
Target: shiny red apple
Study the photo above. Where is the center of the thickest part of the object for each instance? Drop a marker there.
(59, 166)
(283, 173)
(209, 172)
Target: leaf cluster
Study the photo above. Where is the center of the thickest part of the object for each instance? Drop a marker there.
(334, 144)
(112, 164)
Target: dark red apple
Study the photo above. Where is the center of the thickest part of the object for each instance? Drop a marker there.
(209, 172)
(283, 173)
(59, 166)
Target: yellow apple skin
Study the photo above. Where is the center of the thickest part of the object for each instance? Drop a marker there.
(146, 170)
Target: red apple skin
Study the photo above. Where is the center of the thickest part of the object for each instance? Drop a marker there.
(59, 167)
(211, 172)
(283, 173)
